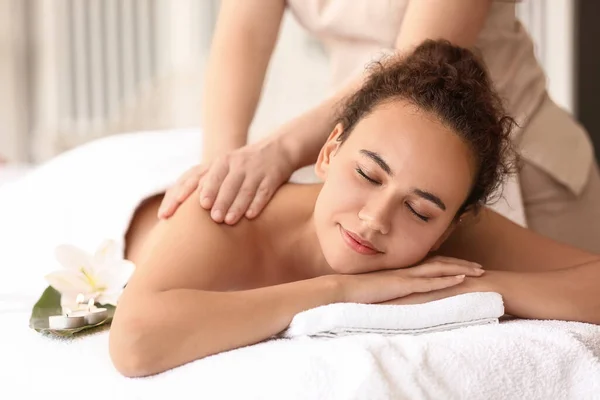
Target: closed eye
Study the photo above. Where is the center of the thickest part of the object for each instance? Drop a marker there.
(412, 210)
(366, 177)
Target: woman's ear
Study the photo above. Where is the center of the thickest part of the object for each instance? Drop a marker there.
(328, 151)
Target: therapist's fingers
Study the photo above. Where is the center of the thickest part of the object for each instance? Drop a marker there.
(227, 192)
(213, 179)
(179, 192)
(186, 188)
(242, 200)
(263, 195)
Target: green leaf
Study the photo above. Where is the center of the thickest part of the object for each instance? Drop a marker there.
(48, 305)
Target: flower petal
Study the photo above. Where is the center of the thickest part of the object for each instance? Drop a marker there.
(116, 276)
(111, 297)
(107, 253)
(67, 281)
(72, 257)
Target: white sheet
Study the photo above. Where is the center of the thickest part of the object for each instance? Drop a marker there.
(69, 200)
(12, 172)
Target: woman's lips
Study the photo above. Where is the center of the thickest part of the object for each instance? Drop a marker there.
(357, 244)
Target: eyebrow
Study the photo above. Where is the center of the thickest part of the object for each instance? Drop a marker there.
(377, 158)
(421, 193)
(431, 197)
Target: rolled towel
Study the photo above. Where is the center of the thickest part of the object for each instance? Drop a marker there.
(341, 319)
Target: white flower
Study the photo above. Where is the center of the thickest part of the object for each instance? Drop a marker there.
(101, 276)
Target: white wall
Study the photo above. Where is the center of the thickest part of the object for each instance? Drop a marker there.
(297, 78)
(551, 23)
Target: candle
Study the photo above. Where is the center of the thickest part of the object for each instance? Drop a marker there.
(66, 321)
(79, 304)
(90, 315)
(95, 316)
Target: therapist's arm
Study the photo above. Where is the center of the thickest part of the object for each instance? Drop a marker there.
(458, 21)
(242, 46)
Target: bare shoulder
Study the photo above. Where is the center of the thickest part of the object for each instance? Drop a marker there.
(499, 244)
(191, 251)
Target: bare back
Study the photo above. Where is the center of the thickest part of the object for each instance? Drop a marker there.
(189, 250)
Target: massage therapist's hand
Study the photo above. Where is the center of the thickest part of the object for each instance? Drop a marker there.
(433, 275)
(239, 183)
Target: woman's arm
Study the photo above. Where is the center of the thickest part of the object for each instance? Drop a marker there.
(154, 330)
(243, 43)
(178, 306)
(538, 277)
(458, 21)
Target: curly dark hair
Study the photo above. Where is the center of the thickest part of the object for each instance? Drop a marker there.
(452, 83)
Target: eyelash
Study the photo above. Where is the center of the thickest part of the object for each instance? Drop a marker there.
(421, 217)
(374, 182)
(365, 176)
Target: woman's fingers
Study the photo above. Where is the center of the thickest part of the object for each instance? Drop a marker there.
(444, 267)
(437, 270)
(423, 285)
(451, 260)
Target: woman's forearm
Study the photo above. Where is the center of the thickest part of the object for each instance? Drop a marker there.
(167, 329)
(243, 42)
(571, 294)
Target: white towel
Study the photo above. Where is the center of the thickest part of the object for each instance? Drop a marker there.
(341, 319)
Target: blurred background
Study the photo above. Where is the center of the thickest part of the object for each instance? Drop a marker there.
(75, 70)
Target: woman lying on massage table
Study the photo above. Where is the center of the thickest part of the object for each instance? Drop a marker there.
(415, 154)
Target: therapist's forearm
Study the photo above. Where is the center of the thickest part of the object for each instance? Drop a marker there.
(229, 102)
(302, 137)
(571, 294)
(240, 52)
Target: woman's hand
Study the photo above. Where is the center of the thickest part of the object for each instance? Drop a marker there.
(432, 275)
(469, 285)
(239, 183)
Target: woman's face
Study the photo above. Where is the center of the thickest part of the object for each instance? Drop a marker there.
(391, 190)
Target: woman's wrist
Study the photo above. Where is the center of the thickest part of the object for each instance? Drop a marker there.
(334, 287)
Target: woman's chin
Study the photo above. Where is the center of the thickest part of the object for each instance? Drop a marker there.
(347, 267)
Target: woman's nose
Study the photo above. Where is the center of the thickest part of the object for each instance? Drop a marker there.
(377, 215)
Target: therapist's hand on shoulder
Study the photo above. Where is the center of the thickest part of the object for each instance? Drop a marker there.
(237, 184)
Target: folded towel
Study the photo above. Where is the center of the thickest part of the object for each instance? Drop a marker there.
(341, 319)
